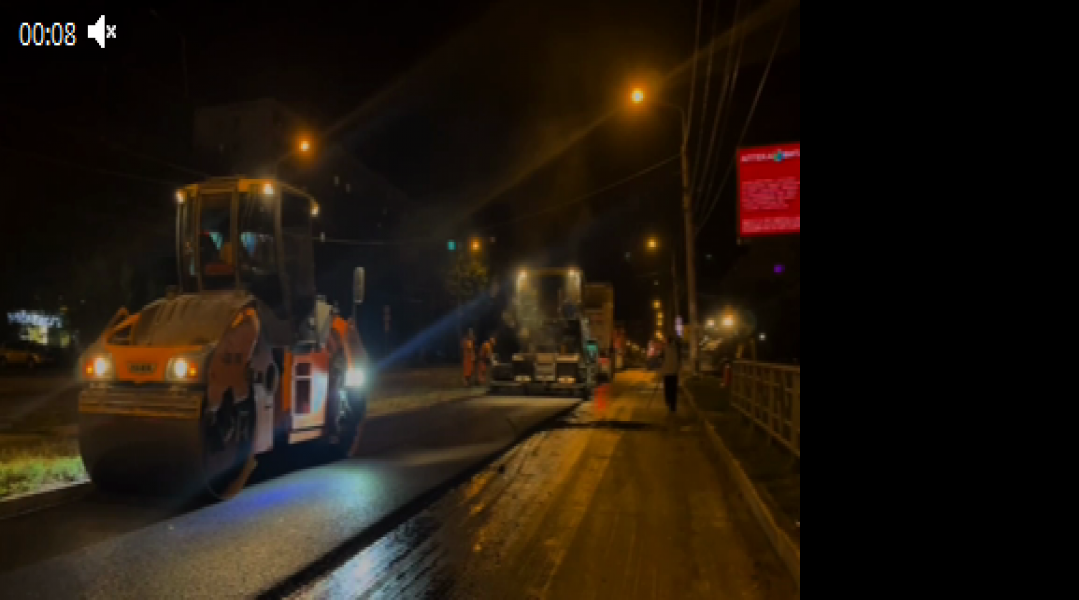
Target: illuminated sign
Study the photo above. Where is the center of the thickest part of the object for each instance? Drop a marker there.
(34, 319)
(770, 190)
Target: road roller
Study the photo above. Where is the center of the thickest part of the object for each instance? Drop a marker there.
(241, 358)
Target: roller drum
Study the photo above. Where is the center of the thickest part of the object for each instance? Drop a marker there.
(155, 442)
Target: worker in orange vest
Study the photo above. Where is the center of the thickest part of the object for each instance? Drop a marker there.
(468, 356)
(486, 352)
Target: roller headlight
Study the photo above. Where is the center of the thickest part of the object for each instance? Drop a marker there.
(98, 367)
(184, 369)
(355, 377)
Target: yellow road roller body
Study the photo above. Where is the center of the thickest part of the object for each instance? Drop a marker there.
(242, 358)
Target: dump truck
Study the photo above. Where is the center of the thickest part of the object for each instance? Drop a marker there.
(241, 358)
(599, 309)
(556, 352)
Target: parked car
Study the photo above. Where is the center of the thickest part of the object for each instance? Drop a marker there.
(23, 353)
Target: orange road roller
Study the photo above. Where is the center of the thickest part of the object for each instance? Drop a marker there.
(241, 358)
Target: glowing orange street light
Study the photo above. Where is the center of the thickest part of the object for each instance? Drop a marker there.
(305, 146)
(637, 95)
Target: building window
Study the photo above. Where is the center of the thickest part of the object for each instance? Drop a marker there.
(336, 180)
(348, 188)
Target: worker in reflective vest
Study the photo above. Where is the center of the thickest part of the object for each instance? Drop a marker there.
(468, 357)
(485, 361)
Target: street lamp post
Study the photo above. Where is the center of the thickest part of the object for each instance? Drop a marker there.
(687, 216)
(653, 245)
(303, 147)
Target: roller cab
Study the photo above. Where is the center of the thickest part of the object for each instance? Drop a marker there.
(242, 358)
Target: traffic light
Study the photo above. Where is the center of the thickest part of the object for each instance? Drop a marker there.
(452, 245)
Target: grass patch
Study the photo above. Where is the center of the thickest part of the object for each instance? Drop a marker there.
(773, 470)
(38, 465)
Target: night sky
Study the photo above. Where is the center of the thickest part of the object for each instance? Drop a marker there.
(487, 113)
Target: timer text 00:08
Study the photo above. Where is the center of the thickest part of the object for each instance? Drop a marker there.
(38, 34)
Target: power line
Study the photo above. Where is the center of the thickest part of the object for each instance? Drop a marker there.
(89, 169)
(693, 73)
(749, 119)
(517, 219)
(591, 194)
(69, 129)
(726, 96)
(704, 100)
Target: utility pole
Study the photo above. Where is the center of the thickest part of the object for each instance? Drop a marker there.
(691, 273)
(674, 288)
(637, 96)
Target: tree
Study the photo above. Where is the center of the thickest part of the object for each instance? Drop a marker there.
(467, 277)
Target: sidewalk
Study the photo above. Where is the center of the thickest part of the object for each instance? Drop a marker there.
(663, 522)
(772, 469)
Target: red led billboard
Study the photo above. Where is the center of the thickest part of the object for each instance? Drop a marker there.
(770, 190)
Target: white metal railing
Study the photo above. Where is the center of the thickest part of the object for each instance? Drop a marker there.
(769, 395)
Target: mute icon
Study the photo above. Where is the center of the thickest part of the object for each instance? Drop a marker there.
(101, 31)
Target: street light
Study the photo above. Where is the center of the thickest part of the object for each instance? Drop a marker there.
(728, 321)
(637, 96)
(305, 145)
(475, 245)
(653, 244)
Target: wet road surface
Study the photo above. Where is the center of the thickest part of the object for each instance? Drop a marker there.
(102, 547)
(614, 502)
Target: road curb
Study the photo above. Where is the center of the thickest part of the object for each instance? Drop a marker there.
(789, 552)
(25, 503)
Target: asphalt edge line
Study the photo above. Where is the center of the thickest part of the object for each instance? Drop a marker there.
(789, 553)
(397, 517)
(28, 503)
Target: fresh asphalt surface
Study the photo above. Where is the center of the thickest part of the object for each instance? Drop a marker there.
(614, 500)
(104, 547)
